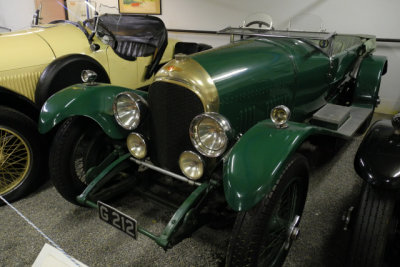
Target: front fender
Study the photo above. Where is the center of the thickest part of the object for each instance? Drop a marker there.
(378, 156)
(93, 101)
(257, 160)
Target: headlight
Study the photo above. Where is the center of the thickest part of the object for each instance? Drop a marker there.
(210, 133)
(191, 165)
(136, 145)
(280, 115)
(88, 76)
(128, 109)
(396, 123)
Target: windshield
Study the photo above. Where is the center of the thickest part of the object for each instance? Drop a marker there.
(308, 28)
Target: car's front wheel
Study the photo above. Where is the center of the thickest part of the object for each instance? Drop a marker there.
(376, 229)
(263, 235)
(78, 145)
(20, 154)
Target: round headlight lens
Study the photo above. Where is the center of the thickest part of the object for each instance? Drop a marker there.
(88, 76)
(136, 145)
(128, 109)
(191, 164)
(210, 133)
(280, 115)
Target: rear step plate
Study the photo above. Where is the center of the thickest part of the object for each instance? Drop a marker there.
(342, 119)
(357, 117)
(331, 116)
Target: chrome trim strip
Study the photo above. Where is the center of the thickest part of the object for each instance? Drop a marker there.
(171, 174)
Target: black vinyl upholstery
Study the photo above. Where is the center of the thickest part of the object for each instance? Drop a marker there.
(136, 35)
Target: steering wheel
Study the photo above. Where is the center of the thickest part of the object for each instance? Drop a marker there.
(260, 24)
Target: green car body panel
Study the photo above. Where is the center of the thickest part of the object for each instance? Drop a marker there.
(257, 160)
(91, 101)
(369, 80)
(254, 76)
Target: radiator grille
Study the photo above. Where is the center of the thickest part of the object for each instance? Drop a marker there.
(172, 109)
(24, 83)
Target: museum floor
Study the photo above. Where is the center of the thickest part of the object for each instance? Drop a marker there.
(333, 189)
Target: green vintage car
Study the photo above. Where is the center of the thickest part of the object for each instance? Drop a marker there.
(126, 50)
(227, 129)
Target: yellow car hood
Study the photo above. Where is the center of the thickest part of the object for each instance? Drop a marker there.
(38, 46)
(22, 49)
(65, 39)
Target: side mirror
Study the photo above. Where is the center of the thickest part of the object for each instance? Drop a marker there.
(4, 29)
(36, 16)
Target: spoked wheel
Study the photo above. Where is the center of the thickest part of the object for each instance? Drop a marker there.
(376, 229)
(78, 145)
(263, 235)
(20, 157)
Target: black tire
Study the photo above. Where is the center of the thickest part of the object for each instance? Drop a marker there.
(251, 243)
(374, 229)
(78, 145)
(20, 154)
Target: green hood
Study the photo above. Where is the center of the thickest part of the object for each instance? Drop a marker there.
(247, 71)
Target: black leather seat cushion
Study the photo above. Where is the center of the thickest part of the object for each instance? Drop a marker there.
(135, 35)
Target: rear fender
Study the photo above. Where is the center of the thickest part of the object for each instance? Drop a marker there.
(66, 71)
(256, 161)
(92, 101)
(368, 81)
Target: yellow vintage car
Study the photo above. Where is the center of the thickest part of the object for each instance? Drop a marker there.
(124, 50)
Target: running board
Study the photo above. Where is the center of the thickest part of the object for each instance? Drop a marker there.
(342, 119)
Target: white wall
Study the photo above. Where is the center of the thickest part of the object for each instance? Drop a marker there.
(379, 18)
(16, 14)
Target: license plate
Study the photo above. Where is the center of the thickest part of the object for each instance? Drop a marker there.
(117, 219)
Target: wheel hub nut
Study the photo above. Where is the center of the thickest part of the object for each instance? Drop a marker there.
(293, 232)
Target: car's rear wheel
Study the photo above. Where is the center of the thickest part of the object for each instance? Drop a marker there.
(20, 155)
(78, 145)
(263, 235)
(375, 229)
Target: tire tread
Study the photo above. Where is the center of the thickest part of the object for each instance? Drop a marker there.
(368, 246)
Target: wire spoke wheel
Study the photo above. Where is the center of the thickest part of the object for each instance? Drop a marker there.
(79, 146)
(276, 234)
(15, 159)
(20, 154)
(262, 236)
